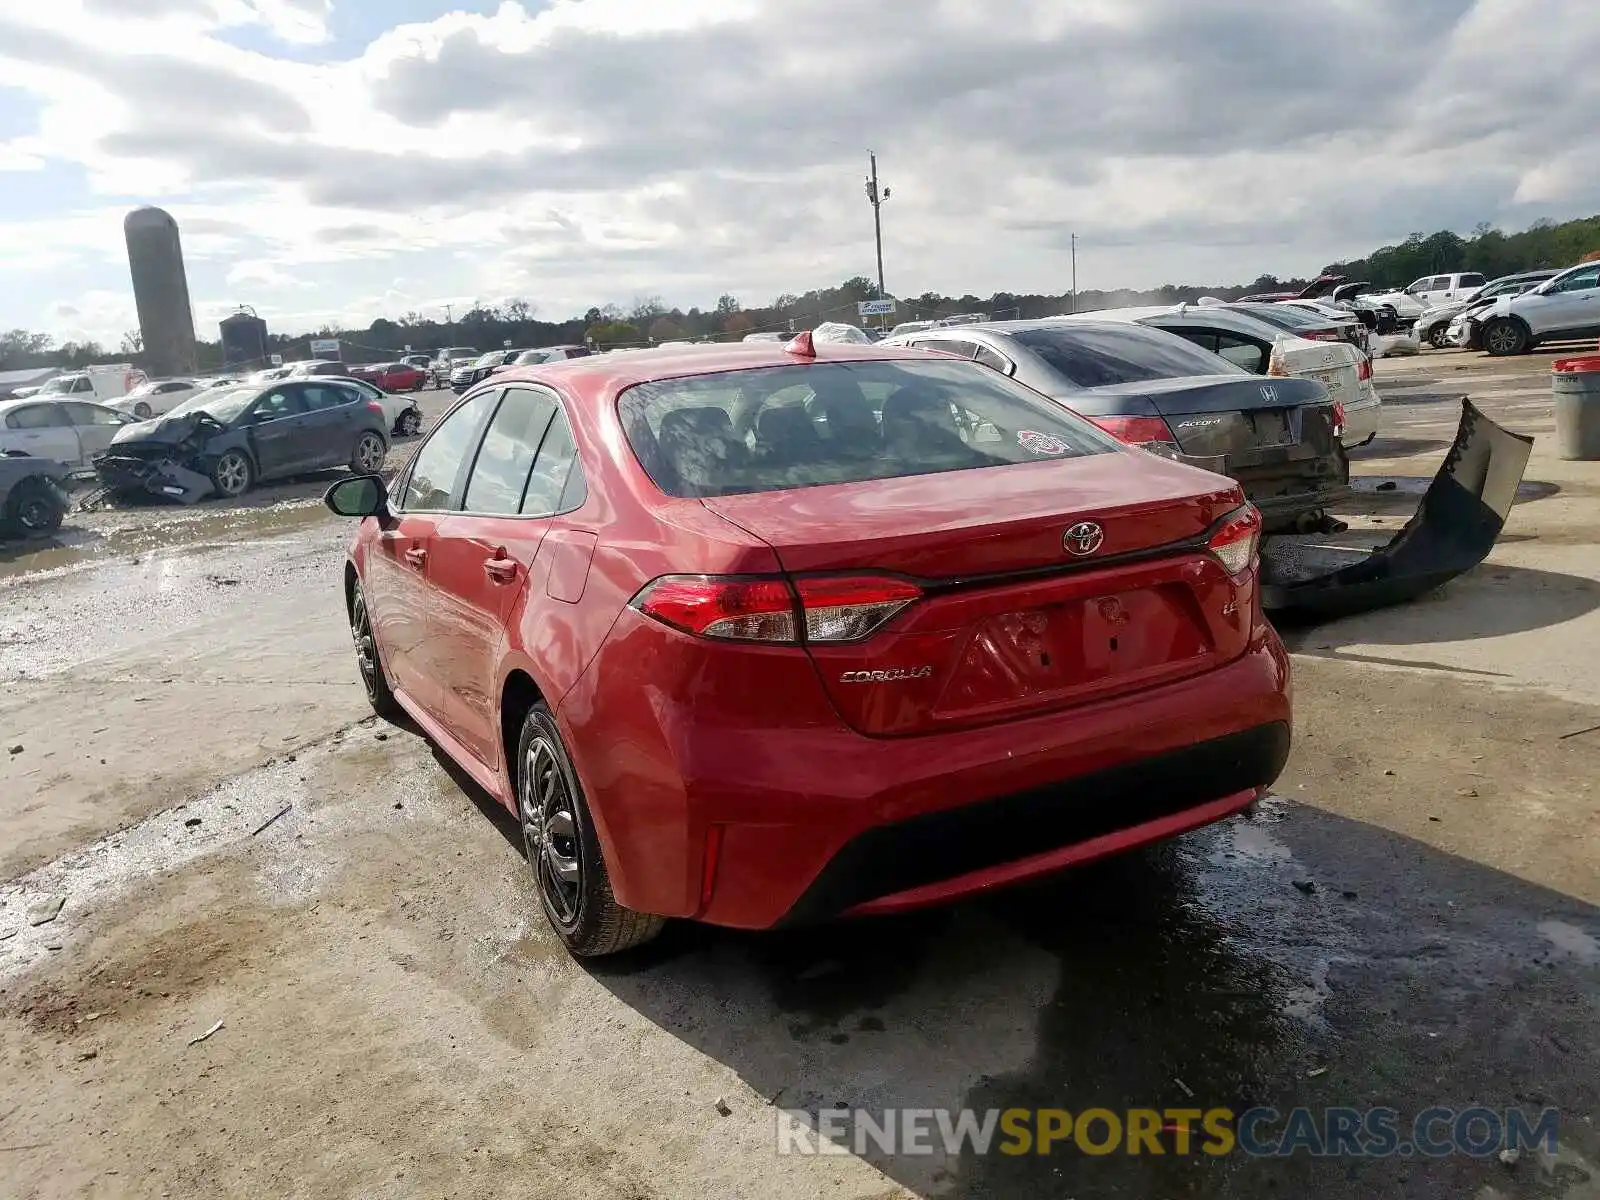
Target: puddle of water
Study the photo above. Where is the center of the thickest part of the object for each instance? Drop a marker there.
(147, 530)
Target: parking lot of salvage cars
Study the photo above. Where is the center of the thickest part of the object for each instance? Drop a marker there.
(243, 924)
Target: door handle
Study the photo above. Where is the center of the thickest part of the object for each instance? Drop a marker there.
(417, 556)
(500, 570)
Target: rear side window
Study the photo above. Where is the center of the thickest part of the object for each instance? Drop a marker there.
(431, 486)
(36, 416)
(556, 484)
(1087, 356)
(776, 428)
(500, 474)
(1471, 281)
(91, 414)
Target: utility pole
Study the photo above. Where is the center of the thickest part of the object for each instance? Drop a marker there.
(877, 220)
(1074, 272)
(450, 319)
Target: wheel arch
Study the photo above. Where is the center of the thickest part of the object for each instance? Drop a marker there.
(519, 692)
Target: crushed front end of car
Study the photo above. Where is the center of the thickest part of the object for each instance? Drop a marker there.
(164, 459)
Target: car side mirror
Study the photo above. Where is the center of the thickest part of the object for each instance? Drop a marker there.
(358, 496)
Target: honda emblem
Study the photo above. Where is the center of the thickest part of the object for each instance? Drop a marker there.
(1083, 538)
(1269, 393)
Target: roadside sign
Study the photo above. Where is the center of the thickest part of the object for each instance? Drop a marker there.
(325, 348)
(875, 308)
(277, 360)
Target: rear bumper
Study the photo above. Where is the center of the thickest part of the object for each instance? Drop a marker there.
(816, 820)
(1363, 416)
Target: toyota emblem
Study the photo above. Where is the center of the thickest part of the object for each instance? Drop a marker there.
(1083, 538)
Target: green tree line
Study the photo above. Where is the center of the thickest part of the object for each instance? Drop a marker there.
(649, 320)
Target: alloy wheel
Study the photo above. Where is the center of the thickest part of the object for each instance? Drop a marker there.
(550, 831)
(369, 453)
(366, 648)
(142, 411)
(233, 473)
(1503, 338)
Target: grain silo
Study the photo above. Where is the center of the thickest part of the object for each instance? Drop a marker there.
(161, 292)
(244, 341)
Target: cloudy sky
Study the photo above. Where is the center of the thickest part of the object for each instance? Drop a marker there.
(340, 160)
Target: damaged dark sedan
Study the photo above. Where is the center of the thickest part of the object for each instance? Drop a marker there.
(225, 441)
(1278, 437)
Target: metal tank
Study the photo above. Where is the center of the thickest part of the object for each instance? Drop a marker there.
(244, 340)
(161, 292)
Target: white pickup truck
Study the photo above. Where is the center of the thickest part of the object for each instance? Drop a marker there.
(1425, 293)
(100, 384)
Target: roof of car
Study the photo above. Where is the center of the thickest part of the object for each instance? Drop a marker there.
(624, 368)
(19, 401)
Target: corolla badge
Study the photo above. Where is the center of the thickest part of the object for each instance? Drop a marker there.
(1269, 393)
(894, 675)
(1083, 538)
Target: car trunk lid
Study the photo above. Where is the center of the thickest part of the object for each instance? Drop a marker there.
(1023, 608)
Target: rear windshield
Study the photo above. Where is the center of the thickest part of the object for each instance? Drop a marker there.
(776, 428)
(1284, 316)
(1087, 356)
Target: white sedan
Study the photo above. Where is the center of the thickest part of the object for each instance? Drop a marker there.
(155, 397)
(402, 412)
(68, 431)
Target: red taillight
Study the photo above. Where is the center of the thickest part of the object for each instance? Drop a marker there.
(1338, 418)
(1148, 433)
(1234, 545)
(1322, 335)
(374, 407)
(846, 608)
(746, 610)
(1364, 369)
(831, 608)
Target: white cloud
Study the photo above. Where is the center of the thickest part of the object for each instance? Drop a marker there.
(587, 150)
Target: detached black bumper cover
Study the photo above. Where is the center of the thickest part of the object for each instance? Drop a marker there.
(1453, 530)
(159, 477)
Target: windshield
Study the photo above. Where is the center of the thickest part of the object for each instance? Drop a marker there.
(225, 407)
(1087, 356)
(775, 428)
(61, 385)
(530, 358)
(492, 359)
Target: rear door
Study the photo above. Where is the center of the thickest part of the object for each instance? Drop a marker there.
(329, 427)
(487, 557)
(44, 431)
(95, 426)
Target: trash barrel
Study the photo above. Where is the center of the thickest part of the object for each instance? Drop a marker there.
(1575, 383)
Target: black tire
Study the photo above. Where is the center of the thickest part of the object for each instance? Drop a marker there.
(369, 662)
(1504, 337)
(233, 474)
(143, 411)
(563, 852)
(409, 424)
(366, 458)
(35, 508)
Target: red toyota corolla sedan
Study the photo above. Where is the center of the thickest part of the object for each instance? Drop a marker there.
(765, 634)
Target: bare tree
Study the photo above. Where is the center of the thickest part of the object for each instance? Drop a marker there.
(132, 342)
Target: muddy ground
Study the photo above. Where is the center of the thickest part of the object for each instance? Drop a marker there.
(1412, 921)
